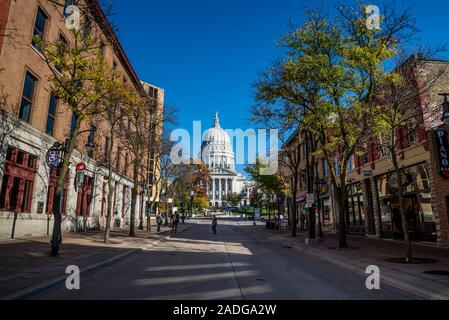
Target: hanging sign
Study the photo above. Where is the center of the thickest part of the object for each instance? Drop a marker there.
(442, 152)
(55, 156)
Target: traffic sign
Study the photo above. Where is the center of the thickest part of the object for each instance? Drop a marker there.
(81, 166)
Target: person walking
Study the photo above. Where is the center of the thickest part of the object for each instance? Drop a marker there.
(214, 224)
(159, 223)
(175, 221)
(183, 218)
(302, 219)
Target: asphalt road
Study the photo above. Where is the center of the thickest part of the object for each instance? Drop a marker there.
(236, 264)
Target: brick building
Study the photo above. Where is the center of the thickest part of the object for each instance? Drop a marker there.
(33, 120)
(373, 204)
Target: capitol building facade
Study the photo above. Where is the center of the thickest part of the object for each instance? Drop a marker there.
(217, 153)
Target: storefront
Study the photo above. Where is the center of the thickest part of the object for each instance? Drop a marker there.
(355, 216)
(418, 205)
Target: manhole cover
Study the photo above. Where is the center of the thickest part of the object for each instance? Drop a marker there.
(260, 280)
(444, 273)
(415, 261)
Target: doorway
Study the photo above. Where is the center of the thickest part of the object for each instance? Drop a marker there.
(412, 212)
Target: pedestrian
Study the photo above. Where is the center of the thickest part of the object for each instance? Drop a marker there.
(302, 219)
(175, 221)
(159, 223)
(214, 224)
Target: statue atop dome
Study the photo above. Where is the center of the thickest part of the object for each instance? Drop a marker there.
(217, 121)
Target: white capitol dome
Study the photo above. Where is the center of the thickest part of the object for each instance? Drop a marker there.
(217, 151)
(218, 154)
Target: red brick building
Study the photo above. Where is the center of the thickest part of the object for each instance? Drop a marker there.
(32, 120)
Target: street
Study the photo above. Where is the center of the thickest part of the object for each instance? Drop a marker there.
(239, 263)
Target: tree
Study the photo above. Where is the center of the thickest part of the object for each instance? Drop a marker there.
(159, 149)
(115, 114)
(190, 177)
(268, 184)
(395, 113)
(234, 199)
(136, 128)
(328, 80)
(80, 78)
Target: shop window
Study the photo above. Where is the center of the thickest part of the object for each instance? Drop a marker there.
(125, 193)
(32, 162)
(52, 189)
(10, 154)
(3, 192)
(18, 181)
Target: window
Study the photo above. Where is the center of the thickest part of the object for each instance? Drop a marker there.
(91, 141)
(62, 47)
(117, 159)
(51, 115)
(52, 189)
(325, 169)
(125, 193)
(39, 28)
(31, 162)
(18, 181)
(364, 159)
(87, 27)
(411, 131)
(67, 4)
(27, 97)
(351, 163)
(106, 149)
(336, 164)
(73, 123)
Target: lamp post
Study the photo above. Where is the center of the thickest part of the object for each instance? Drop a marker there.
(58, 199)
(445, 118)
(312, 232)
(192, 195)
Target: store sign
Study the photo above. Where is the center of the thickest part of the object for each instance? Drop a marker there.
(442, 149)
(310, 200)
(54, 156)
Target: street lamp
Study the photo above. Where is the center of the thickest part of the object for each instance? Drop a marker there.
(192, 195)
(445, 118)
(58, 198)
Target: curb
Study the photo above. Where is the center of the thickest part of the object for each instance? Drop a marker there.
(46, 284)
(423, 293)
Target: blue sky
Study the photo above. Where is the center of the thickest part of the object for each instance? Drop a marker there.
(206, 53)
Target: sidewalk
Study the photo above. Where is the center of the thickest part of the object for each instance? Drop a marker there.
(364, 252)
(26, 263)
